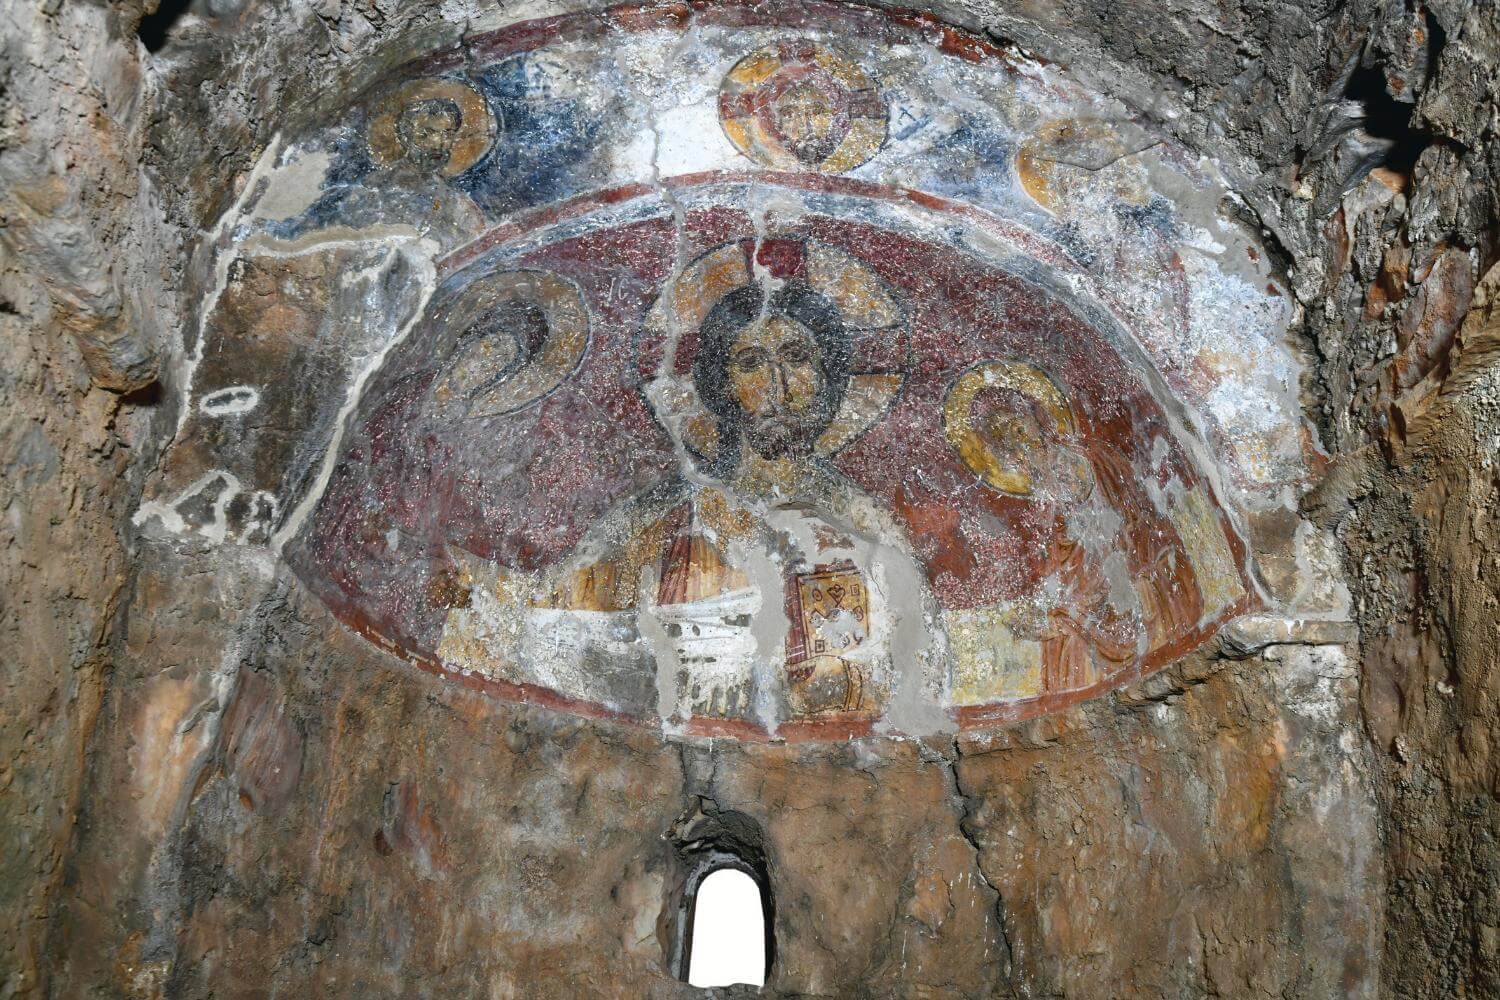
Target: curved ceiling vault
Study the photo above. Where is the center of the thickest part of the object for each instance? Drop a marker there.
(789, 371)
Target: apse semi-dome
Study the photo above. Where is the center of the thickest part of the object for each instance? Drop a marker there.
(775, 371)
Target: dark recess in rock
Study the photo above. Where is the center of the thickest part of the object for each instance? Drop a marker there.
(156, 27)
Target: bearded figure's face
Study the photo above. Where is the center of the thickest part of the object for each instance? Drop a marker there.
(772, 370)
(810, 123)
(427, 130)
(776, 377)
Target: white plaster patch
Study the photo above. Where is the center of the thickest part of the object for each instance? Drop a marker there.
(230, 401)
(293, 186)
(1317, 682)
(170, 514)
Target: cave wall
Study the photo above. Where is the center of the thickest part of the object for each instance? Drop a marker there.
(269, 804)
(83, 308)
(322, 843)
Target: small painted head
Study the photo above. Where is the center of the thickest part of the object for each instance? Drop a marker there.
(517, 324)
(496, 346)
(1017, 428)
(427, 130)
(772, 370)
(810, 121)
(1025, 439)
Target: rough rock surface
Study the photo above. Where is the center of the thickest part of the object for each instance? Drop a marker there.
(81, 315)
(190, 809)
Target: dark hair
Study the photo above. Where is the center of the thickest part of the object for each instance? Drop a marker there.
(795, 300)
(523, 322)
(445, 106)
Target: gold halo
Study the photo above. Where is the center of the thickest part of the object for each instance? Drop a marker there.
(867, 305)
(1066, 155)
(466, 381)
(743, 100)
(958, 423)
(476, 123)
(860, 295)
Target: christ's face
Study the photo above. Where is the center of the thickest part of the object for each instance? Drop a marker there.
(809, 123)
(776, 377)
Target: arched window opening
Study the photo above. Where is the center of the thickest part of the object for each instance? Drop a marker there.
(722, 912)
(727, 930)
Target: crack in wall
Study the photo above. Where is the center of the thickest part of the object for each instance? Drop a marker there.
(966, 806)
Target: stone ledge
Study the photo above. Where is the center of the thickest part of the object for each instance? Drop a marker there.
(1249, 634)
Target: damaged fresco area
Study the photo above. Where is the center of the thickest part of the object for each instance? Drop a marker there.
(787, 371)
(786, 486)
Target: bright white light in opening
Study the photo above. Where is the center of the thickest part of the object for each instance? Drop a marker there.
(729, 932)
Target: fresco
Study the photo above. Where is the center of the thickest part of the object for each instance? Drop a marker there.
(807, 478)
(775, 371)
(797, 103)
